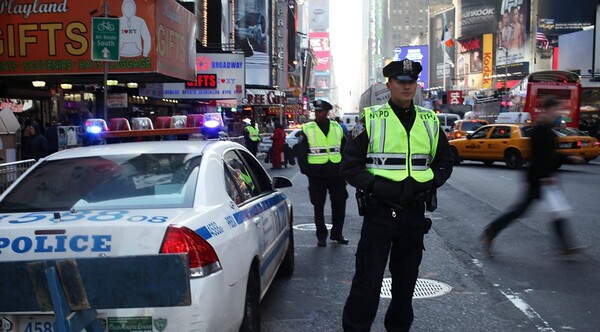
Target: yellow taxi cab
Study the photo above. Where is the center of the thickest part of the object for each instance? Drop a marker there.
(495, 142)
(461, 128)
(510, 143)
(571, 141)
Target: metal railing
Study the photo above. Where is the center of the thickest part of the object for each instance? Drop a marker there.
(9, 172)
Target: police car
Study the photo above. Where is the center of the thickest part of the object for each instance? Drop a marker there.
(210, 199)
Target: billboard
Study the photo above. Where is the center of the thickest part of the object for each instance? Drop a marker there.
(319, 42)
(155, 36)
(441, 55)
(557, 17)
(318, 15)
(252, 22)
(475, 62)
(418, 54)
(512, 35)
(476, 17)
(218, 76)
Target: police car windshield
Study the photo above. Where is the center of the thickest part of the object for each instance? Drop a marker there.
(136, 181)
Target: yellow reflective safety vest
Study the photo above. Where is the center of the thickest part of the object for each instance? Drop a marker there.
(389, 155)
(253, 133)
(323, 149)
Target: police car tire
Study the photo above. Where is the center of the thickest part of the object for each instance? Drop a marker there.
(286, 268)
(251, 321)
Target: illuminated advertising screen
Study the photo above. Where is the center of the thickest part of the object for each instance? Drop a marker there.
(418, 54)
(252, 22)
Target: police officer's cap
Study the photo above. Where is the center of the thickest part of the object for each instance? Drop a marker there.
(322, 105)
(403, 70)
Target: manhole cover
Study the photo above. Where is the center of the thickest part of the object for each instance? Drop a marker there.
(423, 289)
(309, 227)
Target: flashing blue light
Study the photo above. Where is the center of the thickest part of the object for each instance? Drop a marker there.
(94, 129)
(212, 123)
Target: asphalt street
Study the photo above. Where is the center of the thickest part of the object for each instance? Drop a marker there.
(483, 297)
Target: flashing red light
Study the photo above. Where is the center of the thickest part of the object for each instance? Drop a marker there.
(579, 144)
(203, 258)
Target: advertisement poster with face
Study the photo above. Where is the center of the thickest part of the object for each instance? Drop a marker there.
(252, 23)
(442, 50)
(512, 35)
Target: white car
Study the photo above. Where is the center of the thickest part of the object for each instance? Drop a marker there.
(291, 139)
(210, 199)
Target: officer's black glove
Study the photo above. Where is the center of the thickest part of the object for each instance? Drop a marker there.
(419, 187)
(401, 193)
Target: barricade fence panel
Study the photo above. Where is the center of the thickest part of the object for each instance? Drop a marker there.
(9, 172)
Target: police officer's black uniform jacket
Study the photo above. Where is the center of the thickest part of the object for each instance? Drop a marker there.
(355, 157)
(301, 150)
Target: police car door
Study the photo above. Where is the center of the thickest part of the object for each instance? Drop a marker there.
(264, 207)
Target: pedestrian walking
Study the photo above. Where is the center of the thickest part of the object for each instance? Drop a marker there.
(343, 125)
(278, 139)
(319, 156)
(251, 136)
(396, 157)
(543, 163)
(36, 144)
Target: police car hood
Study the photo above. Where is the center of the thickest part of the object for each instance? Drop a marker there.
(90, 233)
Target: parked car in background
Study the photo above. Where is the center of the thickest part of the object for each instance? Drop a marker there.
(446, 120)
(461, 128)
(291, 139)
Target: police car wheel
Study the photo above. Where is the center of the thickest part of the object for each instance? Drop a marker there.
(251, 321)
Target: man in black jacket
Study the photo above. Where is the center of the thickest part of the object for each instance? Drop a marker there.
(319, 156)
(544, 162)
(396, 154)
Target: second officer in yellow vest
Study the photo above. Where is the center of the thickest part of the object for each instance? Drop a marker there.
(319, 153)
(395, 155)
(251, 136)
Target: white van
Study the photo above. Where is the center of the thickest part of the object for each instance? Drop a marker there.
(513, 117)
(447, 120)
(350, 119)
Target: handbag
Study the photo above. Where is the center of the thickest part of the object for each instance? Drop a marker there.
(555, 201)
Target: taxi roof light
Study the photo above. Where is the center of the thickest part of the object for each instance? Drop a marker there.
(202, 257)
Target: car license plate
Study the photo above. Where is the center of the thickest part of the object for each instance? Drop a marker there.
(585, 143)
(35, 324)
(564, 145)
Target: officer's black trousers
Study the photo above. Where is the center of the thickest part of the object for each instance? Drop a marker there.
(402, 239)
(317, 189)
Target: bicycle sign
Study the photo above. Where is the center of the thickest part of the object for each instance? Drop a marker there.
(105, 39)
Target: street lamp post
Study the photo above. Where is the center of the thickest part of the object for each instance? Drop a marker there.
(505, 95)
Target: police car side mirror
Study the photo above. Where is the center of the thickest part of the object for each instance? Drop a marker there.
(281, 182)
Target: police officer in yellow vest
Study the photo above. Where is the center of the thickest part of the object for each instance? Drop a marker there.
(251, 136)
(319, 155)
(396, 155)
